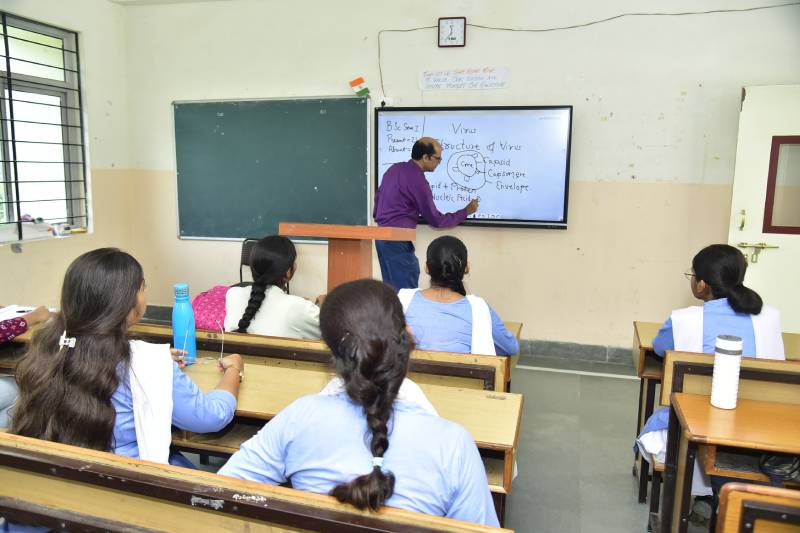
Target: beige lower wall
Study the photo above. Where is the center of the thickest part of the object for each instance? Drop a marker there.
(34, 276)
(621, 258)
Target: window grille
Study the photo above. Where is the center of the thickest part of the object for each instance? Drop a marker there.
(42, 154)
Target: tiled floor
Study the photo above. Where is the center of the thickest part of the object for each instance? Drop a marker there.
(575, 455)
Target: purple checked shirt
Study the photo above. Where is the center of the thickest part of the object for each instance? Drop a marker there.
(404, 194)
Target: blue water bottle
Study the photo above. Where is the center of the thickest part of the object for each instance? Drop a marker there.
(183, 336)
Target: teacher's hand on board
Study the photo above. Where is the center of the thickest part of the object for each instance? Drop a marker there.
(472, 207)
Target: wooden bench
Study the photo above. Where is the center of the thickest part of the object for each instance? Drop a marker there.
(64, 487)
(290, 368)
(441, 368)
(746, 508)
(650, 370)
(762, 383)
(492, 418)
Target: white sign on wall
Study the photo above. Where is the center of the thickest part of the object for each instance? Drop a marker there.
(464, 78)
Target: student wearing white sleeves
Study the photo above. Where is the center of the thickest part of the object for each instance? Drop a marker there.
(265, 308)
(84, 382)
(410, 458)
(444, 317)
(729, 308)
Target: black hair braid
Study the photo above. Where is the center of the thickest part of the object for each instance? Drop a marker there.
(258, 291)
(270, 260)
(452, 275)
(373, 378)
(363, 323)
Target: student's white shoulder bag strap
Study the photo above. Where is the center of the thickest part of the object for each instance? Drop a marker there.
(405, 296)
(482, 340)
(767, 331)
(687, 329)
(151, 389)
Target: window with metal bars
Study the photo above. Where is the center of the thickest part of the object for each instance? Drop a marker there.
(42, 163)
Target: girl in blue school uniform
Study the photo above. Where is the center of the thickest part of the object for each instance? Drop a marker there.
(410, 458)
(444, 317)
(84, 382)
(729, 308)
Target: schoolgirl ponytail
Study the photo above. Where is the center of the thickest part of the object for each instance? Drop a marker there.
(722, 268)
(447, 263)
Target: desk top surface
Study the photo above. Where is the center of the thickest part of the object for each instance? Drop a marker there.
(646, 332)
(492, 418)
(756, 425)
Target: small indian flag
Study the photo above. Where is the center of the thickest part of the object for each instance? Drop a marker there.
(359, 87)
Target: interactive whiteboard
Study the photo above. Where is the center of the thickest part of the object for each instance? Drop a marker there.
(515, 159)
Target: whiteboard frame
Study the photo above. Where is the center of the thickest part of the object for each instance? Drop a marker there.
(489, 223)
(174, 103)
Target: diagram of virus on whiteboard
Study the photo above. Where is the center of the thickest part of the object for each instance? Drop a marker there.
(467, 169)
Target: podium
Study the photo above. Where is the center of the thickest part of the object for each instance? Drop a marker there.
(349, 247)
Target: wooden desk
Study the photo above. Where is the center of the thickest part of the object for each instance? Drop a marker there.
(746, 508)
(437, 368)
(650, 370)
(753, 425)
(492, 418)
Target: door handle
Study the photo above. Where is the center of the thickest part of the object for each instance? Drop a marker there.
(756, 247)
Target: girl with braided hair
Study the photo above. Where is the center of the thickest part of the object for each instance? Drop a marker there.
(370, 439)
(265, 308)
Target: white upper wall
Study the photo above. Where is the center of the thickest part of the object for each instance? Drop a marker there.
(101, 28)
(656, 98)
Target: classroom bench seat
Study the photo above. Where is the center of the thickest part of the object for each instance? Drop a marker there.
(69, 488)
(746, 508)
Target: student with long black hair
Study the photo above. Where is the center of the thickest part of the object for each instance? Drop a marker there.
(410, 458)
(444, 317)
(729, 308)
(265, 308)
(85, 382)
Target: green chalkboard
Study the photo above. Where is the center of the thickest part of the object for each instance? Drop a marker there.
(245, 166)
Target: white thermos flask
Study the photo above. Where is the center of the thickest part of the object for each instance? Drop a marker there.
(727, 361)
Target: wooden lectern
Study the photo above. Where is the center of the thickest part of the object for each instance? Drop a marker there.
(349, 247)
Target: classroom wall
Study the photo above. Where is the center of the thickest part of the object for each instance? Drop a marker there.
(656, 112)
(35, 275)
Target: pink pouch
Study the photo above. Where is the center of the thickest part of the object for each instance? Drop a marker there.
(209, 308)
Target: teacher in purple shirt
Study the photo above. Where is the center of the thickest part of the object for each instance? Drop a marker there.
(403, 196)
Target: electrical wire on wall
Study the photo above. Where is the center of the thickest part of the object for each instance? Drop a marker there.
(577, 26)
